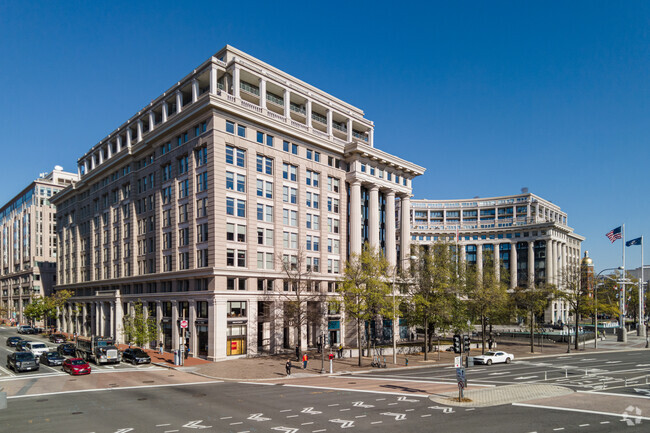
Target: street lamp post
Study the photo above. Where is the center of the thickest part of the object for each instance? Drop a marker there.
(620, 268)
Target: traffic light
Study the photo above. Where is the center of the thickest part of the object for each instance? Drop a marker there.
(457, 346)
(466, 343)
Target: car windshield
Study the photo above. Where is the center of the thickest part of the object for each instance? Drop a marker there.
(38, 346)
(490, 353)
(139, 352)
(24, 356)
(52, 354)
(77, 362)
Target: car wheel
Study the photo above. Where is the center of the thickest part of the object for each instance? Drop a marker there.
(507, 360)
(134, 362)
(489, 362)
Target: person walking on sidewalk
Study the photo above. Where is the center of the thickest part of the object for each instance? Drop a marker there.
(160, 348)
(287, 367)
(297, 353)
(304, 361)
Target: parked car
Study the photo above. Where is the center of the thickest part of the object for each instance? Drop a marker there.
(76, 366)
(36, 347)
(21, 346)
(67, 349)
(22, 361)
(494, 357)
(57, 338)
(136, 356)
(26, 329)
(52, 358)
(12, 341)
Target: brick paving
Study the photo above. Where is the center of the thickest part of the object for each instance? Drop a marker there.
(502, 395)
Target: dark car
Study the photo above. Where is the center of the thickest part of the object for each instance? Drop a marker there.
(57, 338)
(12, 341)
(136, 356)
(21, 346)
(67, 349)
(22, 361)
(76, 366)
(52, 358)
(26, 329)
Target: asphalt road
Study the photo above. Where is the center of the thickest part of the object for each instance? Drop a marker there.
(242, 407)
(44, 370)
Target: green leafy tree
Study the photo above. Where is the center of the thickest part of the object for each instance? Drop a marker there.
(365, 289)
(532, 300)
(138, 327)
(575, 294)
(35, 309)
(436, 282)
(486, 293)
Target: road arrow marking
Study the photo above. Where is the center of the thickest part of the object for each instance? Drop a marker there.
(407, 399)
(525, 377)
(344, 423)
(360, 404)
(258, 417)
(285, 429)
(398, 416)
(443, 409)
(195, 424)
(310, 410)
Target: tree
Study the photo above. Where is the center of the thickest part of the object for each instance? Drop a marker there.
(532, 301)
(47, 307)
(138, 327)
(487, 294)
(576, 296)
(35, 309)
(365, 290)
(303, 301)
(433, 293)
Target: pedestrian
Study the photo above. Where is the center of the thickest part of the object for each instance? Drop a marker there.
(297, 353)
(160, 347)
(304, 361)
(287, 367)
(187, 350)
(490, 344)
(319, 345)
(340, 351)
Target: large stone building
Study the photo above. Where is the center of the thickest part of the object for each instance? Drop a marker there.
(531, 235)
(188, 205)
(28, 243)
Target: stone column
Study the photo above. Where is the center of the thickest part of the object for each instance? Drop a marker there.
(287, 104)
(235, 81)
(513, 265)
(349, 130)
(58, 320)
(152, 121)
(165, 111)
(112, 333)
(159, 316)
(355, 217)
(179, 101)
(549, 262)
(479, 260)
(308, 113)
(303, 329)
(119, 315)
(251, 327)
(195, 90)
(373, 216)
(497, 262)
(212, 331)
(405, 231)
(329, 122)
(371, 137)
(175, 335)
(222, 328)
(531, 264)
(213, 80)
(192, 328)
(391, 246)
(129, 137)
(277, 326)
(262, 84)
(139, 130)
(118, 140)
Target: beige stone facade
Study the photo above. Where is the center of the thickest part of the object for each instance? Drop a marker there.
(28, 244)
(190, 206)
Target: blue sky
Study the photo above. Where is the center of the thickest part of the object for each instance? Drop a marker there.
(490, 97)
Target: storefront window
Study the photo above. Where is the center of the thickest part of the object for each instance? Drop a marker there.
(236, 341)
(236, 308)
(202, 310)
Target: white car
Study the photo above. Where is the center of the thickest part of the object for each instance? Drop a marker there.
(36, 347)
(494, 357)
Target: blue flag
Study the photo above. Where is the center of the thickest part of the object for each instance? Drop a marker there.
(636, 241)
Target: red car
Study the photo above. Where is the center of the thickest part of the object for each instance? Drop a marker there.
(76, 366)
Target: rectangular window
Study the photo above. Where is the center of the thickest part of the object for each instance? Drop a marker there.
(230, 127)
(202, 207)
(260, 137)
(289, 194)
(183, 188)
(241, 208)
(182, 165)
(312, 178)
(289, 172)
(264, 164)
(235, 156)
(202, 182)
(230, 180)
(201, 156)
(332, 184)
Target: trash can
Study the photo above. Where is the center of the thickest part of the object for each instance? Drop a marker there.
(177, 360)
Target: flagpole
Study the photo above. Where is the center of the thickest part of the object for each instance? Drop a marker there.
(621, 323)
(641, 329)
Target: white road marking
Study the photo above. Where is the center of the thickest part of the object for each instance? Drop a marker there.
(113, 389)
(583, 425)
(162, 425)
(604, 422)
(292, 416)
(285, 429)
(226, 417)
(344, 423)
(257, 383)
(613, 362)
(318, 431)
(236, 423)
(343, 410)
(407, 399)
(617, 395)
(286, 410)
(380, 399)
(310, 410)
(566, 409)
(525, 377)
(376, 422)
(332, 405)
(360, 404)
(171, 431)
(258, 417)
(397, 416)
(355, 390)
(361, 416)
(558, 429)
(307, 423)
(426, 415)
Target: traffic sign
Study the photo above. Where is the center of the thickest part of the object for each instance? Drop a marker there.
(460, 376)
(457, 362)
(184, 323)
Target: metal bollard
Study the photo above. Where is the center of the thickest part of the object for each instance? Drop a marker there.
(544, 376)
(566, 372)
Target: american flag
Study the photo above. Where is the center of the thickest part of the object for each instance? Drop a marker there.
(614, 234)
